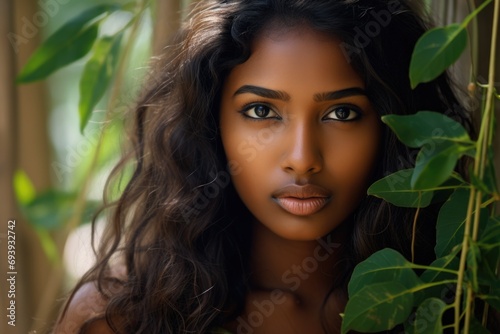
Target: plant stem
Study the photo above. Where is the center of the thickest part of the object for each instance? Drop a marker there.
(414, 229)
(469, 301)
(490, 201)
(472, 15)
(463, 257)
(483, 143)
(443, 270)
(474, 44)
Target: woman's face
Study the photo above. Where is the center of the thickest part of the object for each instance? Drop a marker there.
(299, 132)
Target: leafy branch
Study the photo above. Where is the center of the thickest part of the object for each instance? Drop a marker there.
(384, 289)
(109, 56)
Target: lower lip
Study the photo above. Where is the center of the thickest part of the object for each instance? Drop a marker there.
(302, 206)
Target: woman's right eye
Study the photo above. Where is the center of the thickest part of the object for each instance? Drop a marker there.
(259, 111)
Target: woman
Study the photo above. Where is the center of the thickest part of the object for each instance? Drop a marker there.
(253, 150)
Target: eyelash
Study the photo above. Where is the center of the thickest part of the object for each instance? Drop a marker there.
(251, 106)
(350, 108)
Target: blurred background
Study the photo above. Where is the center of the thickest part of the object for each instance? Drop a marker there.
(52, 173)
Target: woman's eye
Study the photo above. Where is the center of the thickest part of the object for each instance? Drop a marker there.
(343, 113)
(259, 111)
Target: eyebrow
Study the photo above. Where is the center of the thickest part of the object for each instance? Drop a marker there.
(264, 92)
(338, 94)
(280, 95)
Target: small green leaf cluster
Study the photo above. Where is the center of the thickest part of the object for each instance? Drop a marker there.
(48, 210)
(55, 209)
(75, 39)
(385, 290)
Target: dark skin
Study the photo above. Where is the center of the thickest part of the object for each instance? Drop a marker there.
(304, 137)
(295, 115)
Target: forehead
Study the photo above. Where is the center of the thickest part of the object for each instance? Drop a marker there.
(294, 57)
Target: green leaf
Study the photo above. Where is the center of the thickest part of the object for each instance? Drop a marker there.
(48, 210)
(479, 184)
(450, 223)
(49, 58)
(449, 261)
(491, 234)
(476, 327)
(436, 274)
(385, 265)
(426, 126)
(443, 142)
(378, 307)
(48, 245)
(428, 317)
(489, 245)
(51, 209)
(435, 164)
(68, 44)
(473, 259)
(97, 75)
(490, 179)
(444, 191)
(23, 188)
(396, 189)
(493, 297)
(488, 185)
(435, 51)
(486, 273)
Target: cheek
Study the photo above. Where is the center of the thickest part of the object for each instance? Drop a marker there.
(255, 158)
(249, 158)
(250, 145)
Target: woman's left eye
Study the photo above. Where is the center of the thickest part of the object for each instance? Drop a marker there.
(259, 111)
(344, 113)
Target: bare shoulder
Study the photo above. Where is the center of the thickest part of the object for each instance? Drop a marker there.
(86, 304)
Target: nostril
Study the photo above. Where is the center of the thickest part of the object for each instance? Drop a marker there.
(300, 168)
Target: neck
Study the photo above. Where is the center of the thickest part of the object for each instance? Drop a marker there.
(306, 269)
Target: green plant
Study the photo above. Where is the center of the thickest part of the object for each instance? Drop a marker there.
(54, 213)
(103, 72)
(385, 289)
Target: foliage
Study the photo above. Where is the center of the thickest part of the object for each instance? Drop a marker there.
(106, 58)
(385, 289)
(71, 42)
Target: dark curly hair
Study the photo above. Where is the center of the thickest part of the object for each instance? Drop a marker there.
(185, 258)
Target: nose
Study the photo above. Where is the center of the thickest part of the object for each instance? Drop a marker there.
(302, 151)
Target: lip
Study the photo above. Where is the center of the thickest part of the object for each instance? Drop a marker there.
(302, 200)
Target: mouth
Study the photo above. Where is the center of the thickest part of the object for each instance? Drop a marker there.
(302, 200)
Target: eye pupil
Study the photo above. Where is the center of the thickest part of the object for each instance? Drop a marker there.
(342, 113)
(261, 111)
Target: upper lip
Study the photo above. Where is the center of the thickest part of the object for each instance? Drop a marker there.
(302, 191)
